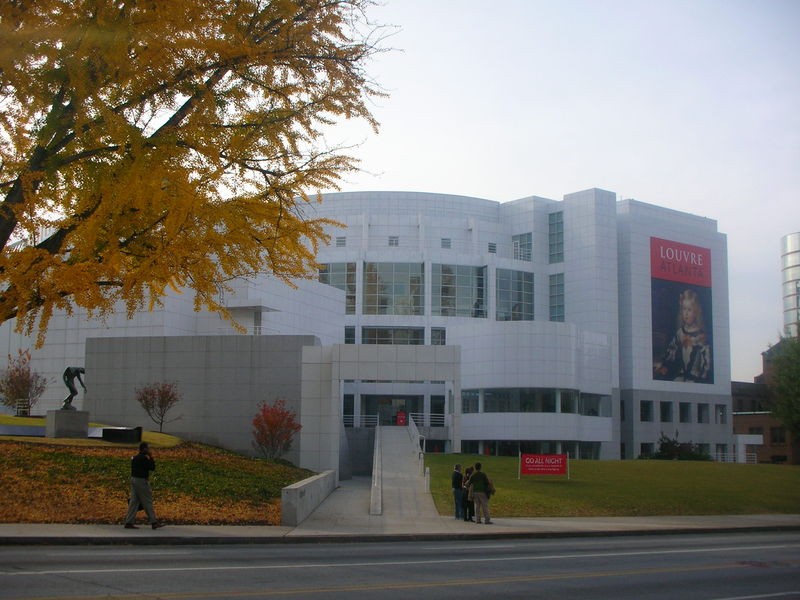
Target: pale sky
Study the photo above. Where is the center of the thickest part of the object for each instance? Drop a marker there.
(691, 105)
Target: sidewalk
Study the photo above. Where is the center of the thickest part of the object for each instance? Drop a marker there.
(408, 514)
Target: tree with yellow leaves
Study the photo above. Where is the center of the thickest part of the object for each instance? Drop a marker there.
(147, 144)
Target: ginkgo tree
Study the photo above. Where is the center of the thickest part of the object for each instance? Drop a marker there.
(146, 145)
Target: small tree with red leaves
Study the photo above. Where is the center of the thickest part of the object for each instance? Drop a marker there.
(274, 428)
(18, 382)
(157, 400)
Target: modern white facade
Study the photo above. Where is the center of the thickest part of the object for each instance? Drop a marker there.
(535, 325)
(551, 303)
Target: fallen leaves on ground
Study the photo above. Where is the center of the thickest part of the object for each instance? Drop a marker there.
(192, 484)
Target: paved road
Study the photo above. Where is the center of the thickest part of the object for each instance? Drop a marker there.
(692, 567)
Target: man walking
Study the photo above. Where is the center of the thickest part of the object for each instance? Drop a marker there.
(481, 486)
(457, 483)
(141, 493)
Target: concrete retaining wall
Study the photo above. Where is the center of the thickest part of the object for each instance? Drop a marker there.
(301, 499)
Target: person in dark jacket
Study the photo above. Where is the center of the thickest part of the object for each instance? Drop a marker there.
(457, 483)
(469, 505)
(141, 493)
(481, 489)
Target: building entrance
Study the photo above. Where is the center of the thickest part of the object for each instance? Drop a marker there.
(387, 406)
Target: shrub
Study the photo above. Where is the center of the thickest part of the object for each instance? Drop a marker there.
(672, 449)
(18, 382)
(157, 400)
(274, 428)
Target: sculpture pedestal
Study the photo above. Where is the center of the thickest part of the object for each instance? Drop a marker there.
(67, 424)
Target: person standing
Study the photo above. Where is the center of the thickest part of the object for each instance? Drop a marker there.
(457, 483)
(468, 504)
(141, 492)
(480, 494)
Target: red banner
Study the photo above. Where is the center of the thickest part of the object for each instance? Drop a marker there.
(683, 263)
(543, 464)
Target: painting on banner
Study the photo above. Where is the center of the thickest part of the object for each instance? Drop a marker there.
(682, 317)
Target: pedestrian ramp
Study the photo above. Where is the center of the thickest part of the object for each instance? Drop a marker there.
(398, 489)
(398, 482)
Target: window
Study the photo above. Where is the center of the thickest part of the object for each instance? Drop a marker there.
(458, 291)
(755, 430)
(446, 243)
(341, 241)
(720, 414)
(665, 409)
(405, 336)
(394, 289)
(777, 435)
(645, 410)
(523, 246)
(622, 413)
(500, 401)
(595, 405)
(557, 297)
(647, 449)
(722, 452)
(569, 401)
(555, 226)
(438, 336)
(702, 413)
(685, 412)
(469, 401)
(349, 334)
(348, 402)
(343, 277)
(394, 240)
(514, 295)
(492, 248)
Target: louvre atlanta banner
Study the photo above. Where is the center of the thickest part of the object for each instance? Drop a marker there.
(681, 285)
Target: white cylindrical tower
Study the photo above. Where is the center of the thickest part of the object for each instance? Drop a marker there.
(790, 274)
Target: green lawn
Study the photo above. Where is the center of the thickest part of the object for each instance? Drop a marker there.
(627, 488)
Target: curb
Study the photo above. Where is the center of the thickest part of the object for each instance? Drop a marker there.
(370, 538)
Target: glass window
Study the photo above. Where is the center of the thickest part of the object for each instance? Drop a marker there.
(500, 401)
(557, 297)
(394, 240)
(341, 241)
(514, 291)
(702, 413)
(647, 449)
(406, 336)
(569, 401)
(777, 435)
(446, 243)
(720, 414)
(492, 248)
(685, 412)
(394, 289)
(458, 291)
(645, 410)
(469, 401)
(665, 409)
(555, 226)
(349, 334)
(594, 405)
(343, 277)
(438, 336)
(523, 246)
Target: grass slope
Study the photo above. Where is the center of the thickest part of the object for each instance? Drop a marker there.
(83, 483)
(627, 488)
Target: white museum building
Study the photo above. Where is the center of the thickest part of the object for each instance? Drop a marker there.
(588, 325)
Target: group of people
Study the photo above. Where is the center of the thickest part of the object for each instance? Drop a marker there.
(471, 492)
